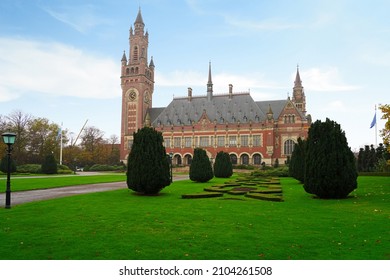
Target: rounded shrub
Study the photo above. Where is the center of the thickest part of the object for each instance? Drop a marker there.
(29, 168)
(330, 169)
(223, 167)
(148, 169)
(49, 165)
(200, 169)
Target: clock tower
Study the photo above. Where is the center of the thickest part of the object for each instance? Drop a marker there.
(137, 83)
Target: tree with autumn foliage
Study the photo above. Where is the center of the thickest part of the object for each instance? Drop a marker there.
(385, 132)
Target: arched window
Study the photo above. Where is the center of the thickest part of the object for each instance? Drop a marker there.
(256, 159)
(233, 158)
(188, 159)
(127, 71)
(245, 159)
(177, 160)
(288, 147)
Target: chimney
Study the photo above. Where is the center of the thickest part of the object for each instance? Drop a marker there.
(230, 91)
(189, 94)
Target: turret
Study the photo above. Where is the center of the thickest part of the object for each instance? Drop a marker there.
(209, 85)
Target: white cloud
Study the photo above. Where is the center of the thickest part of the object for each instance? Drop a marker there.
(54, 69)
(316, 79)
(82, 17)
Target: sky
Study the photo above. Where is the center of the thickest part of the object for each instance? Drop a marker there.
(61, 59)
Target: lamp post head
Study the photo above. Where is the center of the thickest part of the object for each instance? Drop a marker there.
(9, 138)
(171, 155)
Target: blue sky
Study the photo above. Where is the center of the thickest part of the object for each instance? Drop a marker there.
(60, 59)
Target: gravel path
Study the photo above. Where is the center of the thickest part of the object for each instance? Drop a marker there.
(45, 194)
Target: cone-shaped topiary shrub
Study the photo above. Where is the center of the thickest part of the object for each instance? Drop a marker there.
(223, 167)
(297, 162)
(148, 170)
(200, 169)
(49, 165)
(330, 169)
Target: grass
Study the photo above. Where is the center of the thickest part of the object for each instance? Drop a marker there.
(122, 225)
(56, 181)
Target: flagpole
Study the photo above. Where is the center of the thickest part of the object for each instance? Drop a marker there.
(61, 146)
(376, 131)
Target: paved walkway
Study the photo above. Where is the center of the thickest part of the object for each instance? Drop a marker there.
(45, 194)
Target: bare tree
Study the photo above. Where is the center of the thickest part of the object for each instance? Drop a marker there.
(19, 123)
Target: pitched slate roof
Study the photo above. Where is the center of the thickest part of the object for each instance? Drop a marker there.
(222, 108)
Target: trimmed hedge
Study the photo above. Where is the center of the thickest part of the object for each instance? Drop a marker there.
(265, 197)
(202, 195)
(385, 174)
(233, 192)
(215, 189)
(267, 191)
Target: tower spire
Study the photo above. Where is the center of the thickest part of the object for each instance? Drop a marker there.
(139, 17)
(297, 82)
(299, 98)
(209, 85)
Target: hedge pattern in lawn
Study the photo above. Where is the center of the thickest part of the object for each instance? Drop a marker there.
(249, 186)
(148, 169)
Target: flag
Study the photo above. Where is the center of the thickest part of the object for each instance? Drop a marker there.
(373, 123)
(59, 133)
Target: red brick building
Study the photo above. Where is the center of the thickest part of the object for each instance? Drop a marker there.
(251, 131)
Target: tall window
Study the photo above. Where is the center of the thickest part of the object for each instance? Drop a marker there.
(135, 55)
(232, 141)
(221, 141)
(204, 141)
(167, 142)
(256, 140)
(177, 142)
(288, 147)
(244, 140)
(289, 118)
(188, 142)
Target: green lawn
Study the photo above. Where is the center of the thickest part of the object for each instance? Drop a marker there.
(55, 181)
(122, 225)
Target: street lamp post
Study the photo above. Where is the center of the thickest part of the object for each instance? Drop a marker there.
(9, 140)
(170, 161)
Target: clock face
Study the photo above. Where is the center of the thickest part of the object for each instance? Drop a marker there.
(132, 95)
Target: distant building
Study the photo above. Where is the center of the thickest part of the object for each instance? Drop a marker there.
(252, 132)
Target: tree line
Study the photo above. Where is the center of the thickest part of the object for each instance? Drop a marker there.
(38, 137)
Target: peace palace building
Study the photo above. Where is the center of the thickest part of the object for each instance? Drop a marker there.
(252, 132)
